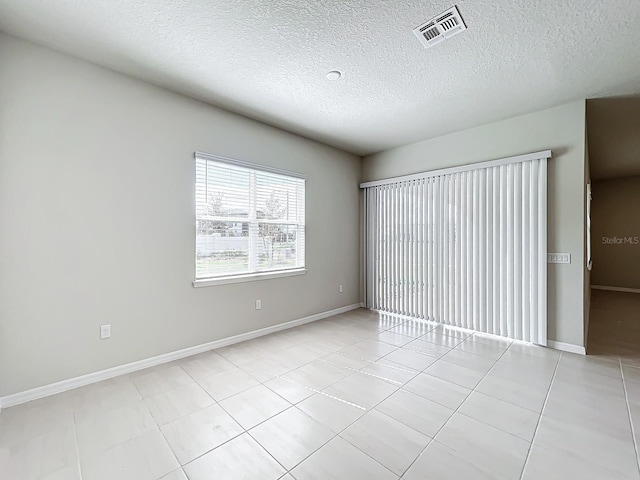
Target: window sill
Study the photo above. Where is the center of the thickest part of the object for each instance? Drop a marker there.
(251, 277)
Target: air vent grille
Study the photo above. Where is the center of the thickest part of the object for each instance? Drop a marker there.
(441, 27)
(431, 32)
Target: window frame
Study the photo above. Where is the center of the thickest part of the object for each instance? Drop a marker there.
(254, 222)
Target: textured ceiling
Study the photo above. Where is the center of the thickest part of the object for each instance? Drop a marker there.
(613, 127)
(268, 59)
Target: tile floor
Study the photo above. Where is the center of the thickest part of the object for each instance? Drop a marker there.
(356, 396)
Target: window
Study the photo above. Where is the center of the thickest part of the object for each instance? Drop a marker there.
(249, 220)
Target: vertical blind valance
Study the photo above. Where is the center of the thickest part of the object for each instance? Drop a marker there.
(464, 246)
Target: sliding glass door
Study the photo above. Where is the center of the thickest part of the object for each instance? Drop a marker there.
(464, 247)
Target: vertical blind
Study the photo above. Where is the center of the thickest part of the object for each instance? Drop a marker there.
(465, 246)
(249, 218)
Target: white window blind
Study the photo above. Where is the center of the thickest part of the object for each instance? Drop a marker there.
(464, 246)
(249, 219)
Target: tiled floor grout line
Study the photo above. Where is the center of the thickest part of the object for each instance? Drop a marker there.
(535, 432)
(433, 438)
(75, 435)
(171, 449)
(215, 448)
(288, 470)
(357, 419)
(181, 466)
(141, 399)
(248, 432)
(626, 397)
(244, 430)
(215, 402)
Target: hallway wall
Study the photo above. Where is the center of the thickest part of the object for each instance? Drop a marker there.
(615, 232)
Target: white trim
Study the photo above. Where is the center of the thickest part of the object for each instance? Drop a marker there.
(616, 289)
(567, 347)
(232, 161)
(71, 383)
(545, 154)
(251, 277)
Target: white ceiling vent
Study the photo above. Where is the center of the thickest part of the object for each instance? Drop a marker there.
(441, 27)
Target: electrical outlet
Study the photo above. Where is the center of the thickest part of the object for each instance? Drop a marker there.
(258, 304)
(340, 289)
(105, 331)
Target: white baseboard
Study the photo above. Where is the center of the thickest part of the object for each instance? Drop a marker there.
(616, 289)
(71, 383)
(566, 347)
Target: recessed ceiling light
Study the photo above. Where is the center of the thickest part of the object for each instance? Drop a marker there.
(334, 75)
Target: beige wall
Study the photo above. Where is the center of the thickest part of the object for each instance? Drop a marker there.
(97, 220)
(615, 212)
(561, 129)
(613, 126)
